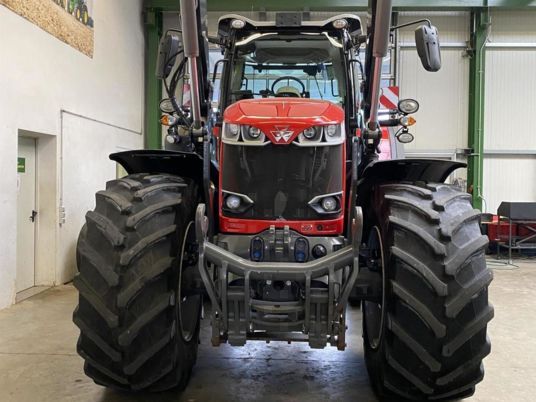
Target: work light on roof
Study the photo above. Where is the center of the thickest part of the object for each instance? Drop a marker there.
(340, 24)
(238, 24)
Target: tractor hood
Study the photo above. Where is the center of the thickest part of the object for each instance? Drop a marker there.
(283, 119)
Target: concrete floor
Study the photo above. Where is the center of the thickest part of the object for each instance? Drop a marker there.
(38, 361)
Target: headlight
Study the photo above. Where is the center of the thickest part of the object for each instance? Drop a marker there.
(166, 106)
(331, 130)
(233, 202)
(333, 134)
(234, 129)
(238, 24)
(340, 24)
(231, 132)
(243, 134)
(312, 136)
(329, 204)
(309, 133)
(405, 137)
(254, 132)
(408, 106)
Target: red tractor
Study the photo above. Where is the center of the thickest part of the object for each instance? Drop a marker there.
(277, 208)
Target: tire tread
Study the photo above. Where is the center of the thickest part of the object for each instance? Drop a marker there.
(437, 277)
(127, 313)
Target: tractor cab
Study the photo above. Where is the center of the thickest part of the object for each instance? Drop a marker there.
(288, 58)
(285, 85)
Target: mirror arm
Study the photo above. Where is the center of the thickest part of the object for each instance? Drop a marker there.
(412, 23)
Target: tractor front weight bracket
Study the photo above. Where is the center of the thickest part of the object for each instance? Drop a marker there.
(238, 315)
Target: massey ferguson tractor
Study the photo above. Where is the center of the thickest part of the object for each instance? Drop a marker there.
(276, 206)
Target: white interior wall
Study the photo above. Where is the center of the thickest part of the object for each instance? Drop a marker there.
(509, 136)
(442, 120)
(82, 136)
(39, 77)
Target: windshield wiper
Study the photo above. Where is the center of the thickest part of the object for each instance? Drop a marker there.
(318, 87)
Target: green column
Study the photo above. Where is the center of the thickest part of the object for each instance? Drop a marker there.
(153, 86)
(479, 34)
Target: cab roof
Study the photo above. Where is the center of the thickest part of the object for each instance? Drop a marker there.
(285, 22)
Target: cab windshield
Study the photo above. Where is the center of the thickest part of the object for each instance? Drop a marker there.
(277, 65)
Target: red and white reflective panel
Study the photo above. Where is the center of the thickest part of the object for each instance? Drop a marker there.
(389, 98)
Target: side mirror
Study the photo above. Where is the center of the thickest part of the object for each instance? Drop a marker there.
(427, 41)
(168, 50)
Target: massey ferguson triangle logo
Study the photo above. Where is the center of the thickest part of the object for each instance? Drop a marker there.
(282, 134)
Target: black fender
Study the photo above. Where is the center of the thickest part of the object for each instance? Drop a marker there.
(427, 170)
(401, 170)
(184, 164)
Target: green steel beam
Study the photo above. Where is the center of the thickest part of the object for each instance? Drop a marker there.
(340, 5)
(480, 22)
(153, 86)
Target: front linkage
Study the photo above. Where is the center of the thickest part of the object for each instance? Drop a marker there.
(319, 313)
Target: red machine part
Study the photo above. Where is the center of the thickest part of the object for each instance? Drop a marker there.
(273, 116)
(283, 116)
(500, 232)
(251, 226)
(247, 226)
(389, 97)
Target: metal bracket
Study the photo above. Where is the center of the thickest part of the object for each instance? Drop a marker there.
(201, 229)
(357, 235)
(237, 315)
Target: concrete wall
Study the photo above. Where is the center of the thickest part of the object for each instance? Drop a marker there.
(39, 77)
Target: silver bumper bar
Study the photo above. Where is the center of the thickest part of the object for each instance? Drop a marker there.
(320, 316)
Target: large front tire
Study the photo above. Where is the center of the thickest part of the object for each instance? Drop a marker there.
(139, 328)
(427, 337)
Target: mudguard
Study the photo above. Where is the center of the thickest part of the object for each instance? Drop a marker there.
(404, 170)
(429, 170)
(184, 164)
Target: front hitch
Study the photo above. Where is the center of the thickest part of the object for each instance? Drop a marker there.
(319, 315)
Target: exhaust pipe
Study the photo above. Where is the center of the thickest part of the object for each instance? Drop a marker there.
(382, 30)
(190, 38)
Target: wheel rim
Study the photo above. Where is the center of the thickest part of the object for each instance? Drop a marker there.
(374, 312)
(188, 305)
